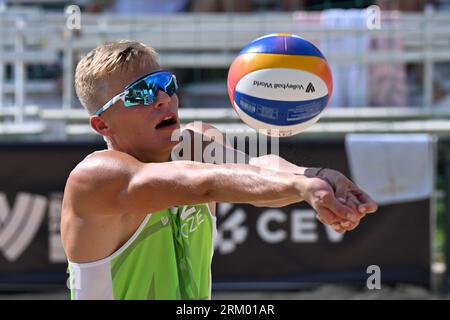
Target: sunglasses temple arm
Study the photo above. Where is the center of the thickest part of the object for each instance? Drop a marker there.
(111, 102)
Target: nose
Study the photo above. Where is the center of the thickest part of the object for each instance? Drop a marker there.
(162, 98)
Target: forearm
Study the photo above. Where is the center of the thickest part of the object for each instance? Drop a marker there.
(240, 183)
(193, 182)
(277, 163)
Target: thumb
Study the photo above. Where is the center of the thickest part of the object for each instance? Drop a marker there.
(341, 193)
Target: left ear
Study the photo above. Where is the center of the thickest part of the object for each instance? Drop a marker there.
(99, 125)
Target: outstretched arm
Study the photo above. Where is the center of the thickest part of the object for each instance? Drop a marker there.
(112, 182)
(351, 196)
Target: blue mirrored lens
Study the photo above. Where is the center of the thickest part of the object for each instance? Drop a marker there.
(143, 91)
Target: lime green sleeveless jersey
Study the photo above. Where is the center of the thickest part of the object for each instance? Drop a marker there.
(168, 257)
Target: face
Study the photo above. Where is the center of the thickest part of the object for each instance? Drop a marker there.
(141, 130)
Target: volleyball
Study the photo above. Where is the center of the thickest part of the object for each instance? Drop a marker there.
(280, 84)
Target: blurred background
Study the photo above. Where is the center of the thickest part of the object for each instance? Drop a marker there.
(387, 127)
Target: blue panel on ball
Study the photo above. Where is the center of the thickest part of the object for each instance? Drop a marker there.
(283, 45)
(279, 113)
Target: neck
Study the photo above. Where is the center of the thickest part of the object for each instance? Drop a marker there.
(146, 157)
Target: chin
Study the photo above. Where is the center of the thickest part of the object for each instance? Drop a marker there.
(167, 143)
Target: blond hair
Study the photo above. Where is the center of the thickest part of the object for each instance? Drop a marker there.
(107, 60)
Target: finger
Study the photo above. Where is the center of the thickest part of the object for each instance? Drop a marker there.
(320, 219)
(355, 204)
(352, 202)
(345, 224)
(341, 193)
(367, 204)
(341, 210)
(348, 225)
(337, 227)
(337, 223)
(327, 216)
(352, 227)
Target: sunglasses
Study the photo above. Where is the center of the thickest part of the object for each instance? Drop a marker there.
(143, 91)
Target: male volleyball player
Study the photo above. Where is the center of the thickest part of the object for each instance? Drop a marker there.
(136, 225)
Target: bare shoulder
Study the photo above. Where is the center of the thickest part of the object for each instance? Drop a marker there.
(98, 177)
(101, 167)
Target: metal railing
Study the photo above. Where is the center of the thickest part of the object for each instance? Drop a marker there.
(201, 41)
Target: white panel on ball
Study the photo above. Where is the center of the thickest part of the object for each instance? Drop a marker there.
(282, 84)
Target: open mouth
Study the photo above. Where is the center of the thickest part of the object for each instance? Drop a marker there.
(166, 122)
